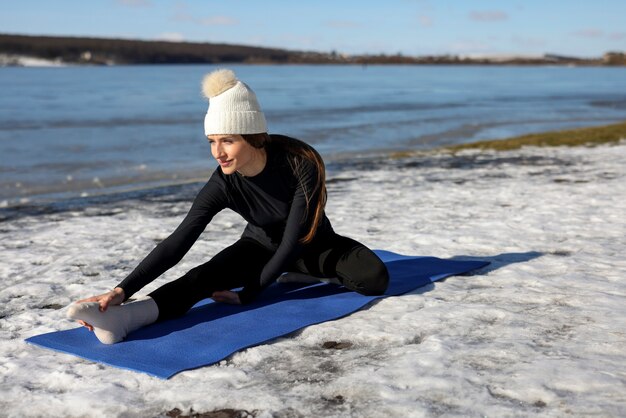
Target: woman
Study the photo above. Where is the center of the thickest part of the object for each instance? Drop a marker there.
(277, 184)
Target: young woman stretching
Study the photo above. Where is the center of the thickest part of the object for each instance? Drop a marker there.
(277, 184)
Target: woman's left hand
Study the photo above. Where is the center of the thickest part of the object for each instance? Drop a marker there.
(226, 296)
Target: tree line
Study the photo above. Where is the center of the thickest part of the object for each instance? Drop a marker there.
(105, 51)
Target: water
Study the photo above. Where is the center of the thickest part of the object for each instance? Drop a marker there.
(84, 130)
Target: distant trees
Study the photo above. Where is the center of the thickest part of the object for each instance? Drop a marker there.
(103, 51)
(121, 51)
(614, 58)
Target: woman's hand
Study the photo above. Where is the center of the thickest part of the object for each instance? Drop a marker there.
(226, 296)
(114, 297)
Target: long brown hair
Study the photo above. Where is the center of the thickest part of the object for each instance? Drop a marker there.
(299, 151)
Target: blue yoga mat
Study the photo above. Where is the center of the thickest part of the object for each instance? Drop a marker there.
(210, 331)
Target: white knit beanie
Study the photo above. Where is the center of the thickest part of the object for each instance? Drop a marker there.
(233, 106)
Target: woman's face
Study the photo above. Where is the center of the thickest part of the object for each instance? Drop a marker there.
(233, 153)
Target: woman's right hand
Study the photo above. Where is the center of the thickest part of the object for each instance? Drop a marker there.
(113, 297)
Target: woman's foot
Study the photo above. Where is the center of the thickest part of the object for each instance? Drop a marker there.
(114, 324)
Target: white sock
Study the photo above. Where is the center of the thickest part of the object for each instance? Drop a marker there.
(114, 324)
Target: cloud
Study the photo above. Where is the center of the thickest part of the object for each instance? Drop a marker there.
(342, 24)
(617, 36)
(183, 16)
(590, 33)
(134, 3)
(593, 33)
(425, 21)
(488, 16)
(171, 37)
(216, 21)
(528, 41)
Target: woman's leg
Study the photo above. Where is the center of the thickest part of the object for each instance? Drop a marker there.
(232, 267)
(355, 265)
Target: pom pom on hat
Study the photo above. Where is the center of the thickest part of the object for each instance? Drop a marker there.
(218, 82)
(233, 106)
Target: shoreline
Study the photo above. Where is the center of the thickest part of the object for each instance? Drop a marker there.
(61, 201)
(586, 136)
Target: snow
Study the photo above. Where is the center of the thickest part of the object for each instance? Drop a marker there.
(542, 331)
(27, 61)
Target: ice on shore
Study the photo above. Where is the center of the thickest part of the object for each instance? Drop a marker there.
(542, 331)
(28, 61)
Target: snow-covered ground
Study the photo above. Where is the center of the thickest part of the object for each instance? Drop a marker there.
(26, 61)
(542, 331)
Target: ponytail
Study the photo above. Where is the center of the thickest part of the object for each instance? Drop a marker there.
(299, 152)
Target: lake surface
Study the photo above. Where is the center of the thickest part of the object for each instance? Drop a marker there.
(82, 130)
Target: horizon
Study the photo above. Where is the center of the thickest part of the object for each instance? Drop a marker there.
(419, 28)
(470, 56)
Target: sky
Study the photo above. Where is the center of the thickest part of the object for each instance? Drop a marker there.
(580, 28)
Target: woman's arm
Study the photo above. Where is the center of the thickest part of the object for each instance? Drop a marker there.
(210, 200)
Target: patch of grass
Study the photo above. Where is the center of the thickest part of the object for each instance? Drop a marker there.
(591, 136)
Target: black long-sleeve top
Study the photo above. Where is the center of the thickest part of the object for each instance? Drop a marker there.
(274, 203)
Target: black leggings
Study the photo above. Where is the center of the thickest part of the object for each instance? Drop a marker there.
(355, 265)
